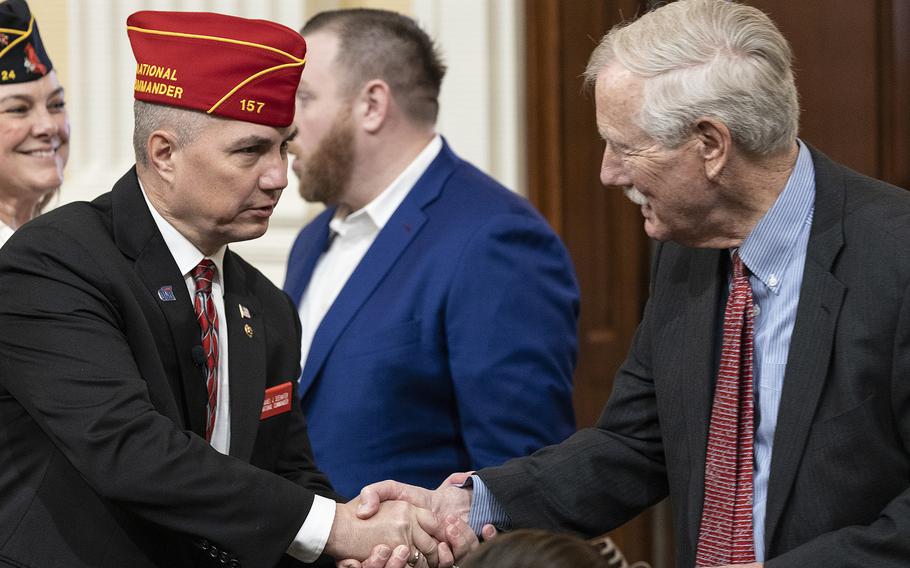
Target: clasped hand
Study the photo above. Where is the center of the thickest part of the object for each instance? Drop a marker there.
(404, 519)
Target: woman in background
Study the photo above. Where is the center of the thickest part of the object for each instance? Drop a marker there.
(34, 127)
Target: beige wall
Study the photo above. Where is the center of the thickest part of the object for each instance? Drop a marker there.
(52, 23)
(403, 6)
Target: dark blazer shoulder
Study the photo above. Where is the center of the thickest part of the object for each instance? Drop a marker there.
(79, 221)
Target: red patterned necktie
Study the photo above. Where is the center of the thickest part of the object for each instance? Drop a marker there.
(726, 535)
(208, 324)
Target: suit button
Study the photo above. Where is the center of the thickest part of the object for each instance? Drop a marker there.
(235, 563)
(204, 545)
(213, 552)
(224, 558)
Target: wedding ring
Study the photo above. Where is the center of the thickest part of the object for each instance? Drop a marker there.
(415, 558)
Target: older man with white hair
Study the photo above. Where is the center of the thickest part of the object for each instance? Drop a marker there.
(767, 391)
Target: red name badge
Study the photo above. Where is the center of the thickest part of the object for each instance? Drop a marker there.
(277, 400)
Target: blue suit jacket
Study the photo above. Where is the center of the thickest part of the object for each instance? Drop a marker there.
(452, 345)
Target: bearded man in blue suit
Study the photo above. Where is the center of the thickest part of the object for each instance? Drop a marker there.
(439, 310)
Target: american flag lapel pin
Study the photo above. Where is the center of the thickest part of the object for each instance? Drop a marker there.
(166, 294)
(244, 311)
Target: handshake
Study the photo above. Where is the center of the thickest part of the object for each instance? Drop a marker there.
(393, 525)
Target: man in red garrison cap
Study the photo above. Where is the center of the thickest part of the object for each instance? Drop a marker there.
(148, 376)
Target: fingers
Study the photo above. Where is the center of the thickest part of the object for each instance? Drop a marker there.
(427, 545)
(383, 556)
(431, 557)
(459, 537)
(430, 524)
(426, 532)
(400, 557)
(372, 495)
(488, 532)
(377, 559)
(446, 558)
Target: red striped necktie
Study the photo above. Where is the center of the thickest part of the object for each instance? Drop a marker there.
(208, 325)
(726, 535)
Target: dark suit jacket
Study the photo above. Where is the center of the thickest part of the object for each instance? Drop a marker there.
(102, 407)
(839, 490)
(451, 346)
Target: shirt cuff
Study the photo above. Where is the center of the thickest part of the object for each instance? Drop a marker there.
(485, 509)
(314, 533)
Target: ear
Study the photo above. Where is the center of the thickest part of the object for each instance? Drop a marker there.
(374, 104)
(162, 153)
(715, 145)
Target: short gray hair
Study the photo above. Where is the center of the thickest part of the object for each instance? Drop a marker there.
(708, 58)
(149, 117)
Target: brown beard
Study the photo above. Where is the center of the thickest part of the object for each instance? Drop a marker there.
(327, 171)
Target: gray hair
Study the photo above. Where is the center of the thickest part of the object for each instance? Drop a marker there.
(149, 117)
(708, 58)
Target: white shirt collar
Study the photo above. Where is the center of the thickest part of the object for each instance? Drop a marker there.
(184, 252)
(5, 233)
(383, 206)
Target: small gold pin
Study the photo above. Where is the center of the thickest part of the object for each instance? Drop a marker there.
(248, 329)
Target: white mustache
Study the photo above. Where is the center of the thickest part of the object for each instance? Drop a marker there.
(635, 196)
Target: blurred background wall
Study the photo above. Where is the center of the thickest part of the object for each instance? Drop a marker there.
(481, 114)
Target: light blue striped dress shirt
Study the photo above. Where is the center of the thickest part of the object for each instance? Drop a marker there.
(775, 253)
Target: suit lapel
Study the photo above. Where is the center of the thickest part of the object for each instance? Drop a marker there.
(391, 242)
(820, 302)
(138, 237)
(388, 246)
(303, 261)
(246, 360)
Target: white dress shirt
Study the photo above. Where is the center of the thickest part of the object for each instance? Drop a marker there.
(187, 257)
(352, 237)
(5, 233)
(312, 536)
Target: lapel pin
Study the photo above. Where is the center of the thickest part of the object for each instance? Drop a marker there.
(244, 311)
(166, 294)
(248, 329)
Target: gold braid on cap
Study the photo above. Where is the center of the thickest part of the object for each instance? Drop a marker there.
(20, 39)
(295, 61)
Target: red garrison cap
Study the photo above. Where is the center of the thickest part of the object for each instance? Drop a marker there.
(223, 65)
